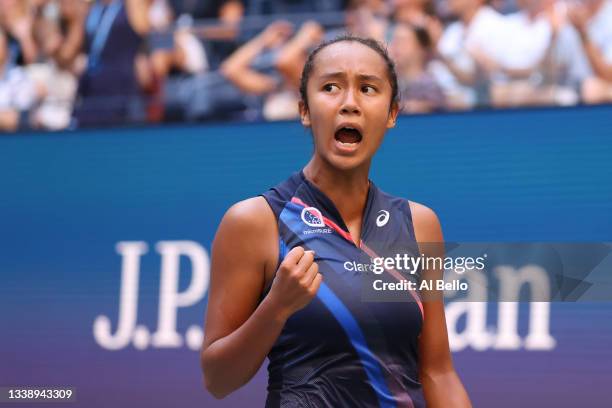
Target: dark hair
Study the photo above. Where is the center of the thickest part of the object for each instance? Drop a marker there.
(368, 42)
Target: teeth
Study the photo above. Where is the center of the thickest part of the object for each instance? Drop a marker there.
(347, 144)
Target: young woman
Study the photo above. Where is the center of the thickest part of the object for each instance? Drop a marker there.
(284, 282)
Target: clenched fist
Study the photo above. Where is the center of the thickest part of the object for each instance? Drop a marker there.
(296, 282)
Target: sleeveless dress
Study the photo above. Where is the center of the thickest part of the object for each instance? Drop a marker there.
(108, 91)
(341, 350)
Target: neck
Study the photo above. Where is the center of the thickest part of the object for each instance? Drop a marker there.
(348, 189)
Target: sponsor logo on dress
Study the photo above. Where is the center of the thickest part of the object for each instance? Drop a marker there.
(312, 217)
(382, 219)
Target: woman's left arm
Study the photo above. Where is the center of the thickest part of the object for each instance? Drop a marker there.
(441, 384)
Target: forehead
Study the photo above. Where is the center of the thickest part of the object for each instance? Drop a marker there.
(349, 58)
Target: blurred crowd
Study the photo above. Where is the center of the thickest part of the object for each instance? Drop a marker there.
(66, 64)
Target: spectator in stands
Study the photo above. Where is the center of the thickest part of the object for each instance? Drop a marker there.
(18, 93)
(364, 18)
(252, 68)
(593, 21)
(16, 19)
(235, 90)
(40, 93)
(282, 102)
(180, 50)
(220, 30)
(461, 48)
(203, 63)
(411, 50)
(109, 90)
(530, 70)
(54, 68)
(191, 49)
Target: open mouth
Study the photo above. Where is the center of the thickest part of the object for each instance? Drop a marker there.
(348, 136)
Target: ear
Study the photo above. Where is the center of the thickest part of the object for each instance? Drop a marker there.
(393, 112)
(304, 114)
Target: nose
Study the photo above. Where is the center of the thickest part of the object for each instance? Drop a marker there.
(349, 104)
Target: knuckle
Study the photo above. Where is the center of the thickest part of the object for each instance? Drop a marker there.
(295, 274)
(283, 269)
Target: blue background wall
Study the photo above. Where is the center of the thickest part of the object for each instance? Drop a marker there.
(67, 199)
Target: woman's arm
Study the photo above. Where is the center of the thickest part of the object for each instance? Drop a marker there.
(579, 17)
(75, 14)
(441, 384)
(237, 67)
(19, 21)
(596, 58)
(436, 33)
(292, 57)
(239, 332)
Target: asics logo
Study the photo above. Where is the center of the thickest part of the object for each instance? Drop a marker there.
(382, 219)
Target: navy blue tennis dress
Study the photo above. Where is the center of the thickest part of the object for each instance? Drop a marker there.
(339, 350)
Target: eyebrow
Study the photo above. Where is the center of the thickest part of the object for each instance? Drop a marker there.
(340, 74)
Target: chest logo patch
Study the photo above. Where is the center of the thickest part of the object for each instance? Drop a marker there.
(312, 217)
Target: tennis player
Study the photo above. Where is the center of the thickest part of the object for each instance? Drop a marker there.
(288, 266)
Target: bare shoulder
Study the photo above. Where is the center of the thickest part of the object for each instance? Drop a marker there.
(426, 223)
(248, 228)
(250, 222)
(250, 213)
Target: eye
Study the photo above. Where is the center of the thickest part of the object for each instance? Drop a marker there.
(368, 89)
(330, 87)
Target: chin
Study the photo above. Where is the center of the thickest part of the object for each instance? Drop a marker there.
(346, 163)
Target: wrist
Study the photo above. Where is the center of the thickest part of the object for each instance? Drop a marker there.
(273, 311)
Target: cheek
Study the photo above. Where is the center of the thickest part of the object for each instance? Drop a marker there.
(379, 113)
(321, 113)
(323, 103)
(377, 125)
(319, 124)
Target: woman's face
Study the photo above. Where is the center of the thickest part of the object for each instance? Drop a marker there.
(405, 46)
(349, 96)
